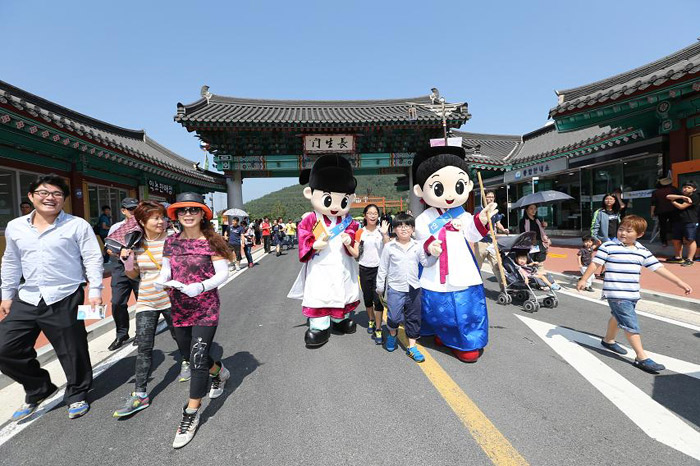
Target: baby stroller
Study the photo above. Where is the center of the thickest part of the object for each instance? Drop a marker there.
(532, 295)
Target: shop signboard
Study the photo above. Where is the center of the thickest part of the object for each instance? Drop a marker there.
(540, 169)
(329, 143)
(157, 187)
(628, 195)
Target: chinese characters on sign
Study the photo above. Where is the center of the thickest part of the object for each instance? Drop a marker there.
(329, 143)
(157, 187)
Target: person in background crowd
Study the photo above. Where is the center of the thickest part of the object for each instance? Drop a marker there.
(265, 232)
(258, 233)
(620, 202)
(25, 208)
(197, 259)
(531, 222)
(104, 222)
(584, 257)
(606, 219)
(663, 208)
(277, 235)
(291, 233)
(685, 224)
(483, 249)
(151, 303)
(122, 285)
(248, 240)
(370, 240)
(235, 230)
(53, 251)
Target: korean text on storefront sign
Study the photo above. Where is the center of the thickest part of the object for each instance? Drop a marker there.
(158, 187)
(541, 169)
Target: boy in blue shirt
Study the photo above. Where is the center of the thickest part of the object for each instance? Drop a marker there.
(623, 258)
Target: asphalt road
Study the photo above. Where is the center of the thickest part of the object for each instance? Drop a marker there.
(351, 402)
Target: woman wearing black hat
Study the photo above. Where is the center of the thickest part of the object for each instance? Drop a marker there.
(196, 259)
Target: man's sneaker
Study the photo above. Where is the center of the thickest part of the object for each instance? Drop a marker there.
(185, 371)
(614, 347)
(675, 260)
(133, 404)
(589, 288)
(78, 409)
(415, 354)
(647, 365)
(27, 409)
(687, 263)
(390, 342)
(378, 337)
(187, 428)
(370, 327)
(218, 382)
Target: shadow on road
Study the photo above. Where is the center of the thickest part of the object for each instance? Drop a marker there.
(673, 392)
(241, 365)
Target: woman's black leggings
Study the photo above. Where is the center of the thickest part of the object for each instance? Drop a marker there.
(146, 323)
(198, 339)
(368, 283)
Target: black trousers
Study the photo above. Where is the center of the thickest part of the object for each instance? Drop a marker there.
(266, 243)
(122, 287)
(198, 339)
(19, 332)
(368, 283)
(665, 223)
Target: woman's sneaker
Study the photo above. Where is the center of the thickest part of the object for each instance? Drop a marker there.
(133, 404)
(78, 409)
(218, 381)
(185, 371)
(378, 337)
(415, 354)
(370, 327)
(187, 428)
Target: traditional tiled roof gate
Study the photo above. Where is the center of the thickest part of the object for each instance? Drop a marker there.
(262, 138)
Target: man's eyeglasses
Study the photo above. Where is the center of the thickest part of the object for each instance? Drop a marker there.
(403, 226)
(189, 210)
(42, 193)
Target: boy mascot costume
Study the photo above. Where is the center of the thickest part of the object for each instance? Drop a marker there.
(453, 302)
(327, 283)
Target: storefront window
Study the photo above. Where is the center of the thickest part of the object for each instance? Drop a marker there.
(567, 214)
(640, 178)
(9, 202)
(100, 196)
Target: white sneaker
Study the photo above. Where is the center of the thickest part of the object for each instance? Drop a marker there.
(218, 382)
(188, 426)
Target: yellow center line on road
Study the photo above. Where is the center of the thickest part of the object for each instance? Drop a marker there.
(489, 438)
(556, 256)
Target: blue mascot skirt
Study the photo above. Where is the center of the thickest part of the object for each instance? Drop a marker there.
(459, 318)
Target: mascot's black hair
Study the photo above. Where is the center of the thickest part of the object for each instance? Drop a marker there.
(330, 173)
(428, 161)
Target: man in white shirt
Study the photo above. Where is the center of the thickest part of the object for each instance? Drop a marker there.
(53, 251)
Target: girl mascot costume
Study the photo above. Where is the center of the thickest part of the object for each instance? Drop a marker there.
(327, 283)
(453, 302)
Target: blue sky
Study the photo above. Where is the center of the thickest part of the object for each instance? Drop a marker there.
(130, 62)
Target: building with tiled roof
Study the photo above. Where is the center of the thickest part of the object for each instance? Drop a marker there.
(102, 162)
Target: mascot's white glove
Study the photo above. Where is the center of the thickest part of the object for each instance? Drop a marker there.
(319, 244)
(489, 211)
(346, 239)
(435, 248)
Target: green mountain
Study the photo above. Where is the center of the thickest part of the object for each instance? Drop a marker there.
(290, 202)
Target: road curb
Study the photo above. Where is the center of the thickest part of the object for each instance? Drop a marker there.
(47, 354)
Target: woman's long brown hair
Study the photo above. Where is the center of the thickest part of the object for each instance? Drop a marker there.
(216, 241)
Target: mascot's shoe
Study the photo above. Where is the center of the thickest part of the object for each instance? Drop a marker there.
(468, 356)
(315, 338)
(344, 326)
(438, 341)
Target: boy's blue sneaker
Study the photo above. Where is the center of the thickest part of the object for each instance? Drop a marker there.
(648, 365)
(614, 347)
(75, 410)
(415, 354)
(390, 342)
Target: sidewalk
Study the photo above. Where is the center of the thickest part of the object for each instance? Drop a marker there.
(561, 259)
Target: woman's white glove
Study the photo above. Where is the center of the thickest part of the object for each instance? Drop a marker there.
(193, 289)
(165, 274)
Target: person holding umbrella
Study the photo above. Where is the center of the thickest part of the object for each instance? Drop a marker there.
(531, 222)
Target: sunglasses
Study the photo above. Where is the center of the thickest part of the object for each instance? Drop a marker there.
(189, 210)
(130, 209)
